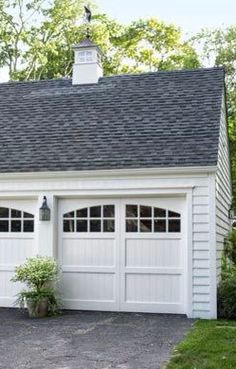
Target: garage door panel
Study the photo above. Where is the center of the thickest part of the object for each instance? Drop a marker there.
(89, 286)
(161, 288)
(89, 252)
(8, 290)
(137, 264)
(15, 250)
(152, 253)
(17, 242)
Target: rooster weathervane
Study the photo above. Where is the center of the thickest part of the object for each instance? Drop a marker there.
(87, 19)
(87, 14)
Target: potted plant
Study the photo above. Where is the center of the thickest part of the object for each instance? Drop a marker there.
(39, 274)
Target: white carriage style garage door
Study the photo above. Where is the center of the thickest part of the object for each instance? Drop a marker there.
(17, 242)
(123, 254)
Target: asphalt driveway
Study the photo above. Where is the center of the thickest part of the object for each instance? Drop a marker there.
(88, 340)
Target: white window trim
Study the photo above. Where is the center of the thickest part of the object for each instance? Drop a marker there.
(153, 218)
(9, 219)
(101, 218)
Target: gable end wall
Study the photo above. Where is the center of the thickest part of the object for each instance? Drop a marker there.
(223, 190)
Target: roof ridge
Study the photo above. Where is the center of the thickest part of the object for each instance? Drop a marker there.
(125, 75)
(158, 72)
(33, 81)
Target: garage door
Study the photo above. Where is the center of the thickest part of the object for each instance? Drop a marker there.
(123, 254)
(17, 242)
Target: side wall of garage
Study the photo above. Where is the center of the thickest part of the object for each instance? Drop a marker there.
(223, 191)
(196, 187)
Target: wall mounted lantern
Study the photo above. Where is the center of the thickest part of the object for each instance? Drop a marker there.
(44, 211)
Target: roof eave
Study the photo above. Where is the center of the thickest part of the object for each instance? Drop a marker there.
(109, 173)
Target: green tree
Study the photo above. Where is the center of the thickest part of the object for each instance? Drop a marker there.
(31, 33)
(16, 19)
(151, 45)
(37, 37)
(218, 48)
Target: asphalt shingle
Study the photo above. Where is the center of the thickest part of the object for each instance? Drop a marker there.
(163, 119)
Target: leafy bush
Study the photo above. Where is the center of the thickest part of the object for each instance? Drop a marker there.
(227, 296)
(227, 286)
(36, 296)
(39, 274)
(230, 247)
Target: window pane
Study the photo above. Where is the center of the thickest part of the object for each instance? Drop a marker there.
(108, 225)
(131, 211)
(4, 213)
(28, 215)
(81, 56)
(159, 225)
(82, 226)
(131, 225)
(68, 225)
(4, 225)
(159, 213)
(69, 215)
(95, 212)
(28, 225)
(82, 213)
(145, 211)
(89, 56)
(15, 213)
(109, 211)
(95, 225)
(172, 214)
(174, 225)
(15, 226)
(145, 225)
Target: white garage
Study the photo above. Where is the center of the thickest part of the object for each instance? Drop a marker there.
(136, 173)
(123, 254)
(17, 242)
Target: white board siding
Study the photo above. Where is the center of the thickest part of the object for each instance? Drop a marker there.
(201, 252)
(223, 191)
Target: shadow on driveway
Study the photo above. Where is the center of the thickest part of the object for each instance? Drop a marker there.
(88, 340)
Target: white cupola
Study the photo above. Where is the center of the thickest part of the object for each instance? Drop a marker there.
(87, 67)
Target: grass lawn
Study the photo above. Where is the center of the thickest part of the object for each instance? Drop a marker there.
(209, 345)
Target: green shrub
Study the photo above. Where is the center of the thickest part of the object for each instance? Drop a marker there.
(39, 274)
(230, 247)
(227, 296)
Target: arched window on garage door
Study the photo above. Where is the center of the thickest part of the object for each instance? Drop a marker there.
(13, 220)
(91, 219)
(141, 218)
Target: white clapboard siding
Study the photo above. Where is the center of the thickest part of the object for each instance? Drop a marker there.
(201, 253)
(223, 191)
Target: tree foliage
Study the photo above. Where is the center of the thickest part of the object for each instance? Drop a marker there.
(37, 37)
(219, 49)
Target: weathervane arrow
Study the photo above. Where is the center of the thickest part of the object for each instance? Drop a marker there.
(88, 14)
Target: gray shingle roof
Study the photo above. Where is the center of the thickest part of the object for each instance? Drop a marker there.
(85, 43)
(163, 119)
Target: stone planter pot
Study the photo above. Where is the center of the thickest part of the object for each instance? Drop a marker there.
(37, 309)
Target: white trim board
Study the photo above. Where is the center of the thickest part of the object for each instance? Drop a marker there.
(109, 172)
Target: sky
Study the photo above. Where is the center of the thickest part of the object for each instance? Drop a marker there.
(190, 15)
